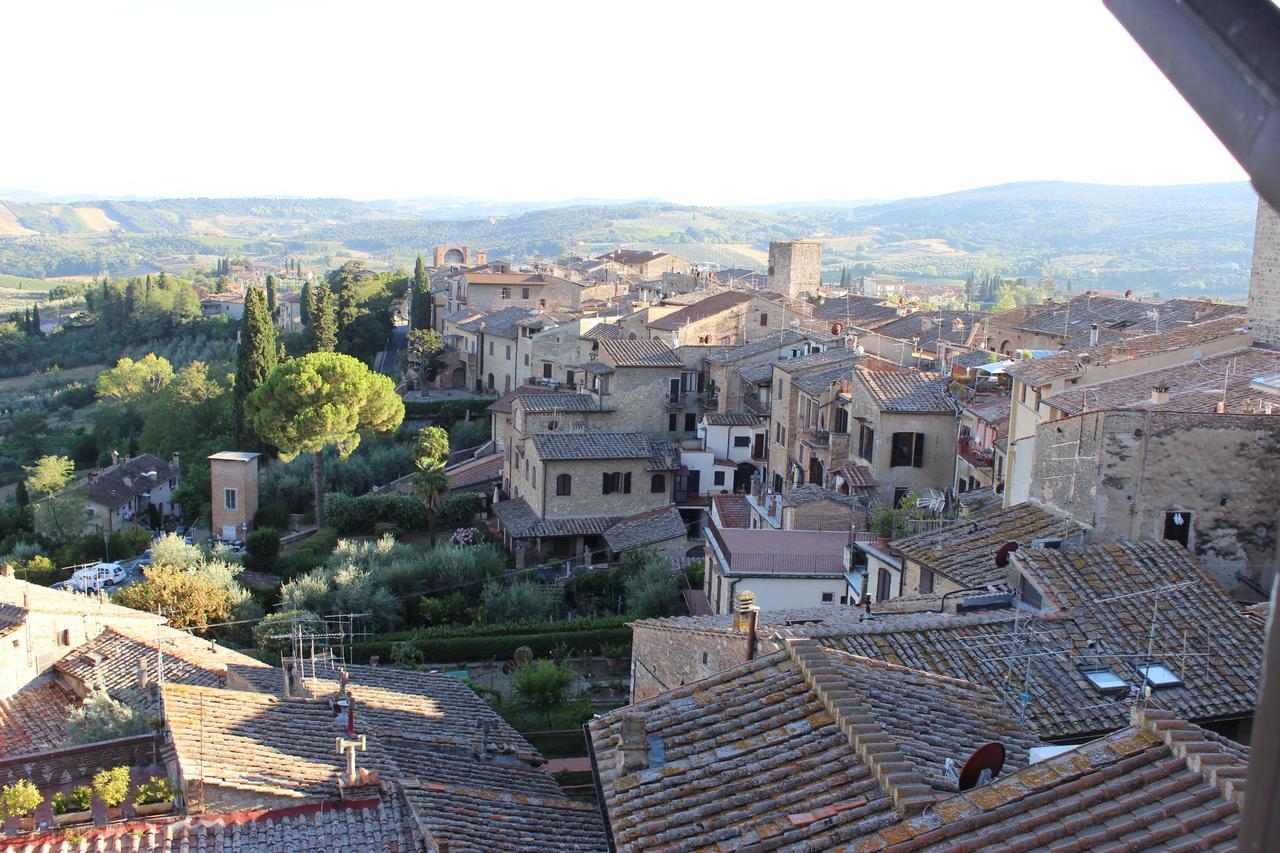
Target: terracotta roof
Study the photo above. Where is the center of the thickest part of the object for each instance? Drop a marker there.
(479, 820)
(1118, 316)
(646, 528)
(632, 257)
(500, 323)
(816, 360)
(770, 552)
(767, 344)
(867, 312)
(503, 403)
(858, 477)
(639, 353)
(991, 408)
(593, 445)
(561, 401)
(516, 278)
(701, 310)
(109, 488)
(802, 749)
(43, 599)
(35, 718)
(602, 330)
(730, 419)
(1194, 387)
(475, 472)
(1041, 370)
(733, 510)
(965, 550)
(521, 522)
(112, 659)
(812, 492)
(959, 328)
(908, 391)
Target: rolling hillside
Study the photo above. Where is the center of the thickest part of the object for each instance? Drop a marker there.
(1185, 239)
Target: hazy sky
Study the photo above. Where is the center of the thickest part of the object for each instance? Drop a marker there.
(692, 101)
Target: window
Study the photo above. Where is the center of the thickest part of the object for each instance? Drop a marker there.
(704, 654)
(907, 450)
(658, 483)
(742, 441)
(229, 498)
(626, 483)
(673, 422)
(898, 494)
(534, 480)
(841, 424)
(524, 293)
(1106, 681)
(542, 303)
(615, 481)
(926, 580)
(690, 421)
(1029, 594)
(526, 359)
(564, 485)
(546, 369)
(607, 483)
(1159, 675)
(866, 441)
(568, 377)
(64, 637)
(1177, 527)
(508, 352)
(764, 319)
(828, 598)
(506, 293)
(490, 347)
(777, 482)
(717, 478)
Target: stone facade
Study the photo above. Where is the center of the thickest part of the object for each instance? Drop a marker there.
(795, 267)
(1133, 471)
(664, 659)
(535, 480)
(1264, 278)
(234, 477)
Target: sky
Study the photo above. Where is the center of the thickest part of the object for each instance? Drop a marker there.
(697, 102)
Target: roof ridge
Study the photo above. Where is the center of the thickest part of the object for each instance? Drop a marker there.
(1186, 741)
(907, 787)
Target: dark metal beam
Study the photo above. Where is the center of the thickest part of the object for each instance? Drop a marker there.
(1223, 56)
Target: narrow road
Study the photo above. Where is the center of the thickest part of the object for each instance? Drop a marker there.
(388, 361)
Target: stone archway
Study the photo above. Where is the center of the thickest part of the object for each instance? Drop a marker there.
(454, 257)
(459, 379)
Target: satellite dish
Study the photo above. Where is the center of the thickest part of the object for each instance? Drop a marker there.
(986, 760)
(1002, 555)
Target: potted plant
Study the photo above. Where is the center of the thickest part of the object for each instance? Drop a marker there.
(19, 800)
(73, 807)
(154, 796)
(112, 787)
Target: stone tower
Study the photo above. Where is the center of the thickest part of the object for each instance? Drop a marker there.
(234, 476)
(795, 267)
(1264, 280)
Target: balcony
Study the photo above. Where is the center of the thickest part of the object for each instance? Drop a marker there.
(976, 456)
(751, 404)
(818, 439)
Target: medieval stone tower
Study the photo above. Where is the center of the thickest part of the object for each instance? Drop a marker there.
(1264, 280)
(795, 267)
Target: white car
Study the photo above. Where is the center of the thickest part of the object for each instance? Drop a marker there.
(100, 576)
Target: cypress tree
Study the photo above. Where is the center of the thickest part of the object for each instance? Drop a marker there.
(255, 359)
(421, 302)
(26, 320)
(35, 321)
(324, 320)
(271, 295)
(20, 493)
(304, 304)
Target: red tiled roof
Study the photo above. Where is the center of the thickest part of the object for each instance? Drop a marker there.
(475, 471)
(732, 510)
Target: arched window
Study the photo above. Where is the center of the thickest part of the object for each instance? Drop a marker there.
(564, 485)
(658, 483)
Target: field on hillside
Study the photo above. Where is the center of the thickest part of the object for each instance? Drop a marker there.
(16, 294)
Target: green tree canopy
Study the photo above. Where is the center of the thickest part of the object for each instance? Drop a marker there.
(320, 400)
(130, 381)
(324, 319)
(256, 357)
(45, 479)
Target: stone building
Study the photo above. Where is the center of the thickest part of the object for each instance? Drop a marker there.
(1264, 277)
(134, 491)
(728, 318)
(234, 498)
(795, 267)
(646, 264)
(458, 256)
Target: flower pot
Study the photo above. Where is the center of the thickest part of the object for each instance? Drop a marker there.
(27, 823)
(151, 809)
(612, 663)
(113, 813)
(67, 818)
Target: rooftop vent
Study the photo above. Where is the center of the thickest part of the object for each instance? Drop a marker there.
(1160, 394)
(985, 601)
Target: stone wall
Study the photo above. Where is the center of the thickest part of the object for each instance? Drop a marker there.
(795, 267)
(663, 659)
(1131, 468)
(77, 764)
(1264, 279)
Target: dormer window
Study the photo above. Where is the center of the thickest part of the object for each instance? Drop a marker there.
(1158, 675)
(1105, 680)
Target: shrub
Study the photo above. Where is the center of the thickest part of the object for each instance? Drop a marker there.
(79, 800)
(274, 514)
(464, 435)
(20, 798)
(502, 647)
(100, 718)
(270, 633)
(405, 654)
(262, 549)
(112, 786)
(446, 412)
(504, 603)
(311, 552)
(543, 685)
(450, 609)
(157, 789)
(466, 536)
(458, 510)
(653, 591)
(362, 514)
(189, 599)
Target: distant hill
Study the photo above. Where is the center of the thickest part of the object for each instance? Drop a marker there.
(1186, 240)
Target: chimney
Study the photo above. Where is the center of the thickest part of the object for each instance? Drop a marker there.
(287, 668)
(1160, 394)
(176, 461)
(115, 457)
(1093, 335)
(6, 570)
(744, 603)
(143, 678)
(633, 748)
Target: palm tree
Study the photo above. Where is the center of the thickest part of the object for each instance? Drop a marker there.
(431, 484)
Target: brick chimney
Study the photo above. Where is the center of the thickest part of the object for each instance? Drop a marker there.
(633, 747)
(1160, 394)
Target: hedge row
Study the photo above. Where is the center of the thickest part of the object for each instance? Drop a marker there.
(526, 626)
(362, 514)
(446, 412)
(477, 648)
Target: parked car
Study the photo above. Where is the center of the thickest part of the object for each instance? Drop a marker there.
(100, 576)
(144, 560)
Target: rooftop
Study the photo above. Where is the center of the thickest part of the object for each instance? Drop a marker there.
(867, 312)
(646, 528)
(733, 510)
(730, 419)
(501, 323)
(475, 473)
(638, 353)
(593, 445)
(772, 552)
(521, 522)
(701, 310)
(911, 391)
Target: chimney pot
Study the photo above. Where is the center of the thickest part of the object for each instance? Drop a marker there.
(633, 748)
(1093, 335)
(1160, 394)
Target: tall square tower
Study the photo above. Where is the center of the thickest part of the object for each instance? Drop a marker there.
(234, 477)
(795, 267)
(1264, 279)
